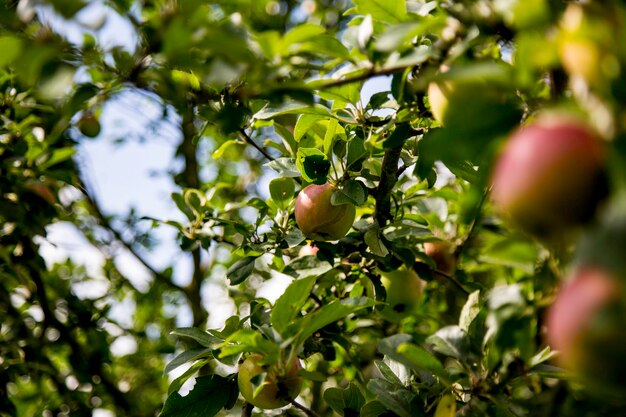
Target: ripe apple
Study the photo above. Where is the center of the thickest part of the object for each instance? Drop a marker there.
(585, 324)
(318, 218)
(281, 384)
(89, 125)
(442, 254)
(550, 174)
(404, 291)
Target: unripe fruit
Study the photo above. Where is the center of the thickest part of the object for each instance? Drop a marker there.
(550, 175)
(281, 385)
(89, 125)
(442, 254)
(585, 324)
(404, 291)
(308, 250)
(318, 218)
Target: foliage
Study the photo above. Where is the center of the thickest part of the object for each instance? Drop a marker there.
(277, 91)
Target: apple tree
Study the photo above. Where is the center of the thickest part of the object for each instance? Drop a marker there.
(415, 208)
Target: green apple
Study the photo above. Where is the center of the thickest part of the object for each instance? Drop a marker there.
(89, 125)
(550, 174)
(318, 218)
(281, 383)
(404, 291)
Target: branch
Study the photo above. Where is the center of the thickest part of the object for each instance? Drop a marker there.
(388, 179)
(453, 280)
(103, 220)
(306, 410)
(249, 140)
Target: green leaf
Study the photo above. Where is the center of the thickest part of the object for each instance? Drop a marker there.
(306, 123)
(58, 156)
(397, 36)
(219, 152)
(399, 400)
(389, 11)
(11, 48)
(346, 93)
(450, 341)
(470, 310)
(248, 340)
(288, 305)
(356, 151)
(329, 137)
(200, 336)
(373, 409)
(350, 192)
(374, 243)
(286, 167)
(327, 314)
(420, 359)
(206, 399)
(188, 356)
(240, 270)
(282, 191)
(307, 266)
(290, 107)
(301, 33)
(177, 383)
(313, 165)
(345, 402)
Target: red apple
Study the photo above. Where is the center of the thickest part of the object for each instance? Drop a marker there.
(585, 325)
(318, 218)
(442, 253)
(308, 250)
(550, 174)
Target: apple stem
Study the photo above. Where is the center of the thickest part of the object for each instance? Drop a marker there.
(306, 410)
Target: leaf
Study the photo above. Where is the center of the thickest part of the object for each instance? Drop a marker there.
(290, 107)
(286, 167)
(389, 11)
(305, 123)
(450, 341)
(373, 409)
(399, 400)
(206, 399)
(187, 356)
(282, 191)
(374, 243)
(248, 340)
(288, 305)
(57, 156)
(366, 29)
(350, 192)
(346, 93)
(356, 151)
(200, 336)
(313, 165)
(346, 402)
(327, 314)
(470, 310)
(301, 33)
(420, 359)
(446, 406)
(240, 270)
(307, 266)
(219, 152)
(11, 48)
(329, 137)
(388, 373)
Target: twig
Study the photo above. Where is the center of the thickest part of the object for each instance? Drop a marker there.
(249, 140)
(452, 280)
(306, 410)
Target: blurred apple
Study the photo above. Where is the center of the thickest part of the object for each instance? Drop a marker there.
(281, 383)
(404, 291)
(585, 325)
(442, 253)
(550, 174)
(308, 250)
(318, 218)
(89, 125)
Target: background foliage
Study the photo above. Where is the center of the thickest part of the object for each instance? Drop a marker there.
(273, 90)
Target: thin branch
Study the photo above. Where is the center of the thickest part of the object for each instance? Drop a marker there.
(96, 211)
(249, 140)
(453, 280)
(306, 410)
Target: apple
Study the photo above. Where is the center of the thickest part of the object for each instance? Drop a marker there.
(442, 253)
(585, 325)
(550, 174)
(318, 218)
(281, 383)
(404, 292)
(89, 125)
(308, 250)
